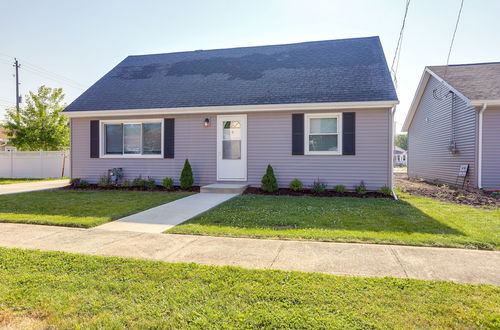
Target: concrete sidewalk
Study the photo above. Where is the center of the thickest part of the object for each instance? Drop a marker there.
(160, 218)
(15, 188)
(468, 266)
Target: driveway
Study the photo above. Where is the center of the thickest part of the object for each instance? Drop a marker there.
(459, 265)
(15, 188)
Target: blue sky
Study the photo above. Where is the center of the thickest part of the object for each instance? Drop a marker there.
(71, 44)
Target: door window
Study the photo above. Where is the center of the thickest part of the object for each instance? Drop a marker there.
(231, 139)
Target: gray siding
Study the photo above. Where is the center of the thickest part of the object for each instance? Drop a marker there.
(431, 132)
(491, 149)
(269, 142)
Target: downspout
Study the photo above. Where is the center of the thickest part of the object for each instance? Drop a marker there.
(392, 111)
(480, 147)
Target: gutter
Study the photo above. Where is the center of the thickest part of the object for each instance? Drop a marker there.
(480, 147)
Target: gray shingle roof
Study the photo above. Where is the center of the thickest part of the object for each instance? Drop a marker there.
(345, 70)
(480, 81)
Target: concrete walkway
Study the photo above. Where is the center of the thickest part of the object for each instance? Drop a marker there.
(468, 266)
(160, 218)
(15, 188)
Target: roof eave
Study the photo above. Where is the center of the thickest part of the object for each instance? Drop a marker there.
(479, 103)
(234, 109)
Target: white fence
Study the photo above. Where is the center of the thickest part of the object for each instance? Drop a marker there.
(34, 164)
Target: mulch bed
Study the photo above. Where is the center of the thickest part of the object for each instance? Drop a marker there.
(308, 192)
(468, 196)
(122, 188)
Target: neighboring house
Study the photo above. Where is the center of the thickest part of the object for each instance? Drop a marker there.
(4, 140)
(400, 156)
(455, 120)
(314, 110)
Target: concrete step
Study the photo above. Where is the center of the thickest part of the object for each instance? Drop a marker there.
(224, 188)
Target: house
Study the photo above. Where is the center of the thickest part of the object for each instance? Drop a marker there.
(454, 120)
(313, 110)
(4, 140)
(400, 156)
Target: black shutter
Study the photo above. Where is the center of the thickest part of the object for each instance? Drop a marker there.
(297, 134)
(349, 133)
(168, 137)
(94, 139)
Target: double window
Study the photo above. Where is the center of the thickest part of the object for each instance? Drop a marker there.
(132, 138)
(323, 134)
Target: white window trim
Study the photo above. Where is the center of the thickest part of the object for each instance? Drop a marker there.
(102, 137)
(307, 118)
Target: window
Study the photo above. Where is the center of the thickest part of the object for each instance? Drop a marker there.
(323, 134)
(231, 140)
(132, 138)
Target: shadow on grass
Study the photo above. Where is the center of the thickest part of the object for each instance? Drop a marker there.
(353, 214)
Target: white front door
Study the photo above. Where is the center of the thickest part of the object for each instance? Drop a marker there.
(232, 148)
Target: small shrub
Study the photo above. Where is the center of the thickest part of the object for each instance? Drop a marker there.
(150, 183)
(127, 184)
(361, 189)
(75, 182)
(139, 182)
(168, 183)
(318, 187)
(104, 182)
(385, 190)
(296, 185)
(339, 188)
(269, 182)
(83, 184)
(186, 176)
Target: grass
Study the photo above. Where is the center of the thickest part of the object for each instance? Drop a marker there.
(78, 208)
(412, 220)
(64, 290)
(24, 180)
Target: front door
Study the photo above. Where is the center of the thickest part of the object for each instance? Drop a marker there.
(232, 148)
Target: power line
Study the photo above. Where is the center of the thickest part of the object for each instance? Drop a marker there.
(397, 52)
(46, 73)
(455, 32)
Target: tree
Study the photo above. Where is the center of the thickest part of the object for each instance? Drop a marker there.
(186, 176)
(401, 141)
(269, 182)
(39, 125)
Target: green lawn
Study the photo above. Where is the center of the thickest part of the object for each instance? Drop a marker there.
(62, 290)
(412, 220)
(78, 208)
(9, 181)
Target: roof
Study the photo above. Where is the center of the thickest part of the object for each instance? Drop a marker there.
(345, 70)
(399, 151)
(479, 81)
(476, 83)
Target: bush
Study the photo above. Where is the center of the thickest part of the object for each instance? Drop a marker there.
(139, 182)
(318, 187)
(75, 182)
(361, 189)
(269, 182)
(83, 184)
(104, 182)
(150, 183)
(186, 176)
(339, 188)
(127, 183)
(385, 190)
(168, 183)
(296, 185)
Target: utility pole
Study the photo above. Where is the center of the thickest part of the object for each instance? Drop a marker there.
(18, 98)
